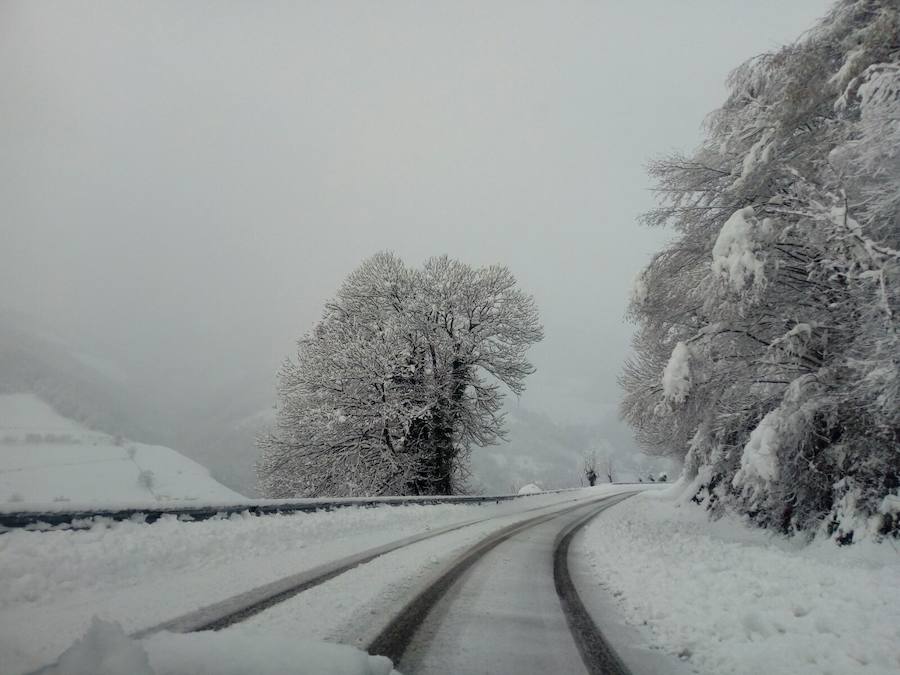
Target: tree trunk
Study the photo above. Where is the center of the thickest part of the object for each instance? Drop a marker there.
(433, 440)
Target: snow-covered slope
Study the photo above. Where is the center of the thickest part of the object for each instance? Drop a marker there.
(91, 379)
(45, 457)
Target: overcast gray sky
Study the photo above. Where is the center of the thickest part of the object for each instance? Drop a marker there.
(190, 181)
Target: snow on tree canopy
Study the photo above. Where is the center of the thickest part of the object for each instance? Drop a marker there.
(736, 253)
(400, 378)
(676, 379)
(784, 279)
(639, 290)
(759, 463)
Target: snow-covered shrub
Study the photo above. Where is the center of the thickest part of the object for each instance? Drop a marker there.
(767, 354)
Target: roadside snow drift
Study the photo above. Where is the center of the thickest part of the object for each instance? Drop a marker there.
(106, 650)
(728, 599)
(45, 457)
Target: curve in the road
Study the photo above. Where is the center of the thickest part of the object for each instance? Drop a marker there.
(597, 655)
(250, 603)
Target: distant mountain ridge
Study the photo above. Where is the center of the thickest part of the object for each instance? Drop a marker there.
(104, 396)
(35, 361)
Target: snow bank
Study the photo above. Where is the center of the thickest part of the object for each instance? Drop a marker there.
(530, 489)
(258, 652)
(39, 567)
(106, 650)
(45, 457)
(734, 600)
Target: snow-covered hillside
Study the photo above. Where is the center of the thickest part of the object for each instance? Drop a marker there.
(88, 379)
(45, 457)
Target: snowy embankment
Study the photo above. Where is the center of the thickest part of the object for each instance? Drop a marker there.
(106, 650)
(52, 584)
(48, 458)
(730, 599)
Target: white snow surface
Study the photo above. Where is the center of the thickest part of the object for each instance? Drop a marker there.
(48, 458)
(106, 649)
(676, 378)
(140, 575)
(731, 600)
(530, 489)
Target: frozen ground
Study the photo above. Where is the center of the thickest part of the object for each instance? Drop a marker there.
(728, 599)
(45, 457)
(52, 584)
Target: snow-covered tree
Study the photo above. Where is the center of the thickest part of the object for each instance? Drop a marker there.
(767, 353)
(400, 377)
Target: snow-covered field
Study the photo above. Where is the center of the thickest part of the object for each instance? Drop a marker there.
(45, 457)
(52, 584)
(728, 599)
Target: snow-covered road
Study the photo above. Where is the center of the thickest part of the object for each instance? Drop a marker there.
(502, 611)
(140, 575)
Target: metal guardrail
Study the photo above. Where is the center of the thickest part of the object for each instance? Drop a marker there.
(85, 517)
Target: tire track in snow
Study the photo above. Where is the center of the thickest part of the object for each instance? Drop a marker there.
(240, 607)
(596, 654)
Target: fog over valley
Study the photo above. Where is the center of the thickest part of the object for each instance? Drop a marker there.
(446, 337)
(185, 185)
